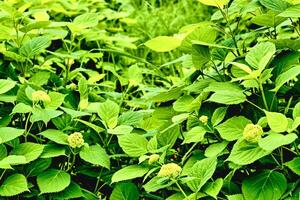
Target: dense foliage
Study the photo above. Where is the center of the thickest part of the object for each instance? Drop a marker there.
(133, 99)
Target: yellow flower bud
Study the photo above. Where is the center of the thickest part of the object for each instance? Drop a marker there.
(83, 104)
(72, 86)
(252, 133)
(170, 170)
(40, 96)
(203, 119)
(75, 140)
(153, 159)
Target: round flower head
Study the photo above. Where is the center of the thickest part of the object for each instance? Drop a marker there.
(72, 86)
(40, 96)
(170, 170)
(203, 119)
(153, 158)
(75, 140)
(252, 133)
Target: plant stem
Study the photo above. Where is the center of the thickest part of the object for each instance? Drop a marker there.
(263, 95)
(181, 190)
(188, 153)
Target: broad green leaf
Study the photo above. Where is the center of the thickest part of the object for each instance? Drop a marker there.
(37, 167)
(202, 171)
(53, 180)
(44, 115)
(235, 197)
(163, 43)
(218, 115)
(277, 121)
(228, 97)
(6, 85)
(41, 78)
(10, 160)
(195, 135)
(244, 153)
(35, 46)
(215, 149)
(216, 3)
(3, 151)
(260, 55)
(125, 191)
(96, 128)
(129, 172)
(296, 111)
(131, 118)
(293, 12)
(275, 5)
(9, 133)
(31, 151)
(294, 165)
(275, 140)
(73, 191)
(213, 188)
(56, 100)
(232, 129)
(269, 19)
(13, 185)
(136, 148)
(53, 150)
(200, 55)
(75, 113)
(56, 136)
(167, 95)
(95, 155)
(184, 104)
(84, 21)
(21, 108)
(168, 137)
(120, 130)
(264, 185)
(109, 112)
(286, 76)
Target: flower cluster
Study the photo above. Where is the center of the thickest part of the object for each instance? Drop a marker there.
(75, 140)
(170, 170)
(153, 159)
(40, 96)
(203, 119)
(252, 133)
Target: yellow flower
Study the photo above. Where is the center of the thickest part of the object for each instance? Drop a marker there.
(72, 86)
(170, 170)
(75, 140)
(252, 133)
(153, 158)
(203, 119)
(40, 96)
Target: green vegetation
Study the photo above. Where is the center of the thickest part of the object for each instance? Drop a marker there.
(134, 99)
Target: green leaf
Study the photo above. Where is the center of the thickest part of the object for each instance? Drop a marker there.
(218, 115)
(216, 3)
(3, 151)
(6, 162)
(195, 135)
(53, 150)
(14, 184)
(44, 115)
(213, 188)
(275, 140)
(275, 5)
(184, 104)
(35, 46)
(264, 185)
(109, 112)
(120, 130)
(156, 184)
(215, 149)
(232, 129)
(260, 55)
(277, 121)
(56, 100)
(202, 171)
(235, 197)
(129, 172)
(95, 155)
(200, 55)
(136, 148)
(73, 191)
(296, 111)
(31, 151)
(168, 137)
(294, 165)
(75, 113)
(21, 108)
(53, 180)
(293, 12)
(6, 85)
(56, 136)
(163, 43)
(9, 133)
(228, 97)
(125, 191)
(269, 19)
(84, 21)
(244, 153)
(286, 76)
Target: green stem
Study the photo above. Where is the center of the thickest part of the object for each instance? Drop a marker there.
(188, 153)
(2, 174)
(181, 190)
(263, 95)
